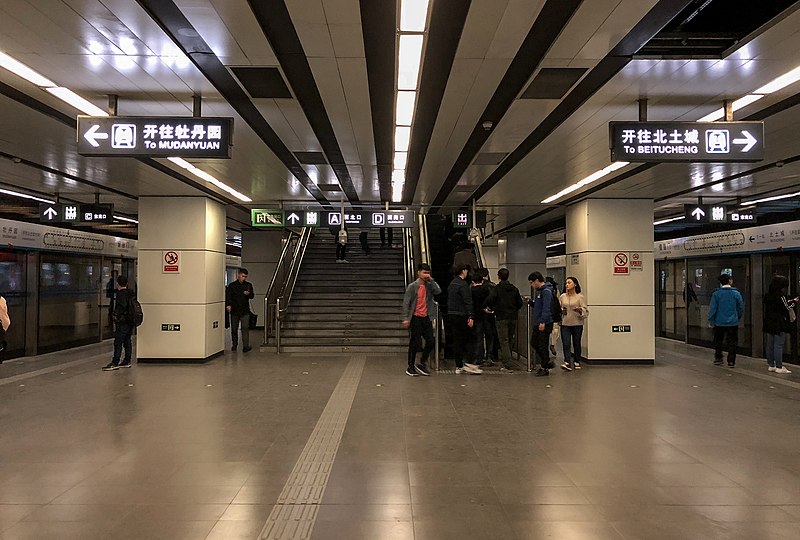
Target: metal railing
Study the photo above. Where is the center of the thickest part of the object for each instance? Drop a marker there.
(475, 237)
(424, 246)
(409, 269)
(279, 294)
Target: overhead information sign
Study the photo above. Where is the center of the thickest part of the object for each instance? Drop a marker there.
(718, 213)
(656, 142)
(463, 219)
(76, 213)
(165, 136)
(317, 218)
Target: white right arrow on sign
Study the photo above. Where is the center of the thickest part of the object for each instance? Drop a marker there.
(749, 141)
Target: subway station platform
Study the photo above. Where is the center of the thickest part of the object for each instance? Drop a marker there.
(265, 446)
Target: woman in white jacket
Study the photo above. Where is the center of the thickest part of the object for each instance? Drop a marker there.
(573, 312)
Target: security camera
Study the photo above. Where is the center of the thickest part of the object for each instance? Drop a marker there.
(487, 125)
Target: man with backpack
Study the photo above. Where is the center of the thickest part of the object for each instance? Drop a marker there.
(544, 314)
(126, 316)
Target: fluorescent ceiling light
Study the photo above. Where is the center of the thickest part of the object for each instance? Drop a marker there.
(668, 220)
(400, 159)
(129, 220)
(398, 176)
(20, 69)
(556, 245)
(180, 162)
(83, 105)
(719, 114)
(25, 196)
(402, 135)
(409, 60)
(404, 112)
(413, 14)
(586, 181)
(781, 82)
(768, 199)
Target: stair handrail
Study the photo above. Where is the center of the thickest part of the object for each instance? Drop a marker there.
(283, 301)
(475, 236)
(424, 246)
(409, 273)
(277, 281)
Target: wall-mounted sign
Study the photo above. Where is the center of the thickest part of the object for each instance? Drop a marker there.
(170, 327)
(635, 262)
(621, 328)
(159, 136)
(718, 213)
(620, 264)
(645, 142)
(76, 213)
(266, 218)
(171, 262)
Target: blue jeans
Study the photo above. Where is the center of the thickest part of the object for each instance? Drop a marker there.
(573, 334)
(775, 349)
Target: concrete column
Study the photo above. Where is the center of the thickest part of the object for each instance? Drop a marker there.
(598, 231)
(194, 296)
(260, 253)
(525, 255)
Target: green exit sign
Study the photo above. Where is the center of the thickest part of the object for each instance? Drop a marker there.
(266, 218)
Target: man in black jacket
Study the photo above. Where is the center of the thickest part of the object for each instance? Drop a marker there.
(123, 326)
(460, 318)
(505, 301)
(237, 302)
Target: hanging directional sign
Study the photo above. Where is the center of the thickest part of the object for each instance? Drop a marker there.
(463, 219)
(76, 213)
(354, 218)
(655, 142)
(266, 218)
(139, 136)
(718, 213)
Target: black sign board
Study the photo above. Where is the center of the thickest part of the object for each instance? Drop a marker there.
(170, 327)
(621, 328)
(718, 213)
(463, 219)
(686, 142)
(355, 218)
(76, 213)
(140, 136)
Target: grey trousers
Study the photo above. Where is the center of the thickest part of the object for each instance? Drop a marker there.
(245, 320)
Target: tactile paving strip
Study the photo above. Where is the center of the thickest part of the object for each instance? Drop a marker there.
(294, 515)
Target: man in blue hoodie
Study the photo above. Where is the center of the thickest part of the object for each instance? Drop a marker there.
(724, 314)
(542, 321)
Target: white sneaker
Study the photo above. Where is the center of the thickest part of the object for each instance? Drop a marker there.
(459, 370)
(782, 371)
(771, 368)
(472, 369)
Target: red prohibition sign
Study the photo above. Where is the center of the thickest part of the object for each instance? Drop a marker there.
(621, 259)
(171, 257)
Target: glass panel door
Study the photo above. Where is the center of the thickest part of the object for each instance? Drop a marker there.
(14, 289)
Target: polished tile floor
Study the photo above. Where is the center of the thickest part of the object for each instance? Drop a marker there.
(683, 450)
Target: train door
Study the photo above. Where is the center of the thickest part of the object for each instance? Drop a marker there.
(779, 264)
(673, 295)
(13, 287)
(702, 280)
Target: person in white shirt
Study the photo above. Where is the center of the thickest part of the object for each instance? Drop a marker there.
(5, 322)
(573, 313)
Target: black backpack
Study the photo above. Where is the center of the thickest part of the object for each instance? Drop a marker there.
(135, 313)
(555, 309)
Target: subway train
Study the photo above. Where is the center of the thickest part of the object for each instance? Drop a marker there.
(686, 272)
(59, 285)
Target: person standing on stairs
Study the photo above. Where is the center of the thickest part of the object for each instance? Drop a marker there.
(341, 245)
(418, 307)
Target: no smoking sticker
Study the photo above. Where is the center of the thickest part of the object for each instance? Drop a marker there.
(621, 264)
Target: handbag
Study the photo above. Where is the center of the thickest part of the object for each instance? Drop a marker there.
(253, 320)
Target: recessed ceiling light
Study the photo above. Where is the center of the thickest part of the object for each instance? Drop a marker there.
(18, 68)
(413, 14)
(409, 60)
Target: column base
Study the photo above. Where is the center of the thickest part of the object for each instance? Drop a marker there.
(179, 360)
(618, 362)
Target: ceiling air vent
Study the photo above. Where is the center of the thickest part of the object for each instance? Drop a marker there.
(552, 83)
(311, 158)
(262, 82)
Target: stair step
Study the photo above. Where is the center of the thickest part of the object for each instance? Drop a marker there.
(395, 333)
(367, 325)
(355, 317)
(344, 341)
(344, 302)
(333, 349)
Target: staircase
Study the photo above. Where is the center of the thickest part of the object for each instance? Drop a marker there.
(347, 307)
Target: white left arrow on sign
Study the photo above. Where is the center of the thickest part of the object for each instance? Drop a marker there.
(92, 136)
(749, 141)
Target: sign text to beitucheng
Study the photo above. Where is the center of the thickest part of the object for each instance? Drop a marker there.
(656, 142)
(138, 136)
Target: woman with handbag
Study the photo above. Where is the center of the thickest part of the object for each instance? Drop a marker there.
(778, 318)
(573, 312)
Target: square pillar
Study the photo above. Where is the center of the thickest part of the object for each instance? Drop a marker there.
(193, 295)
(610, 252)
(261, 251)
(524, 255)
